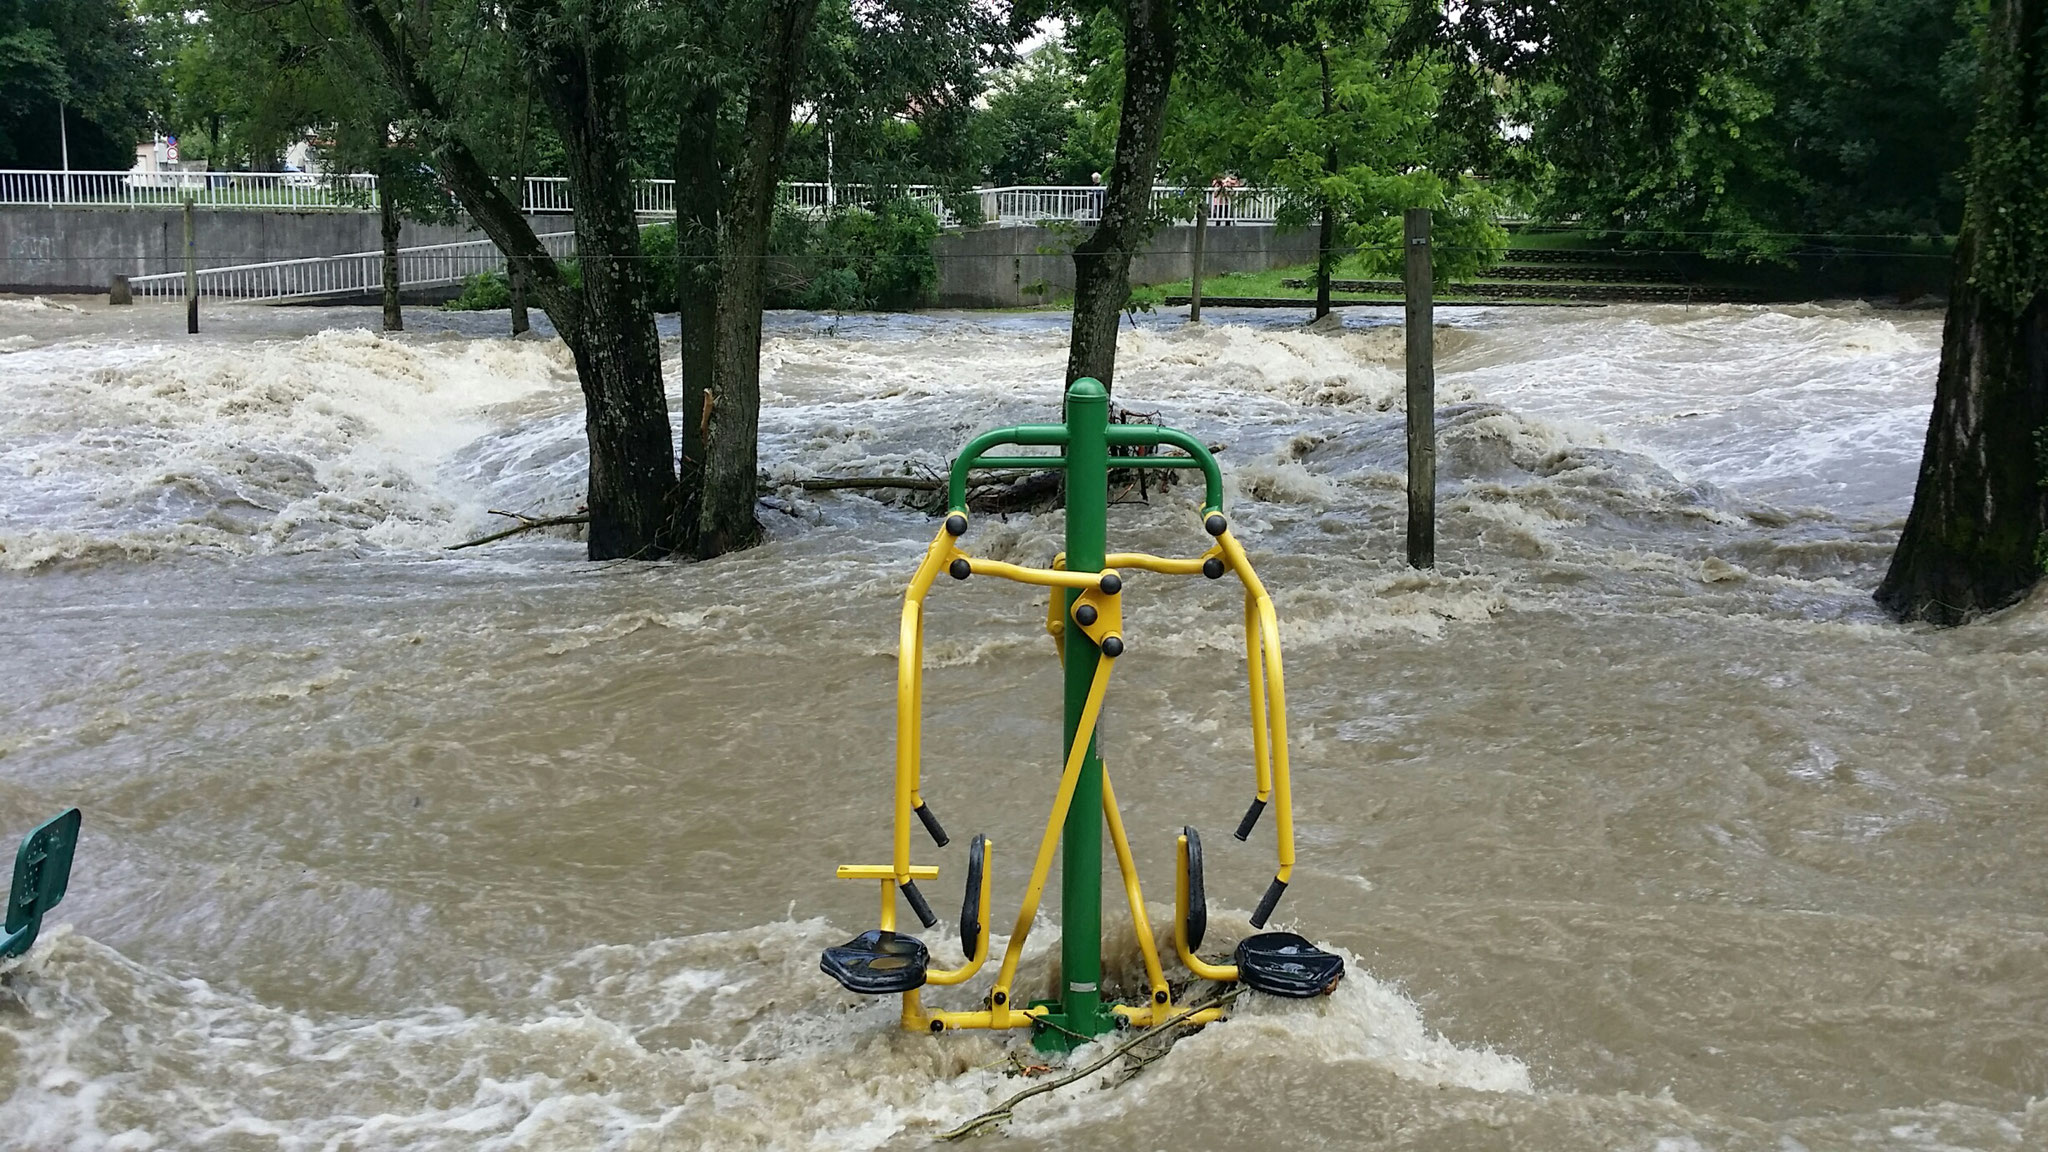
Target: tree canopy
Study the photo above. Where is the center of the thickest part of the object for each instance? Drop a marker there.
(89, 57)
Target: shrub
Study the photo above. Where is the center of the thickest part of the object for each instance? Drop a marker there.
(483, 292)
(854, 258)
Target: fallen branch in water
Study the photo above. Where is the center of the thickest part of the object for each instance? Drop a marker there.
(1002, 1111)
(1001, 493)
(839, 483)
(526, 524)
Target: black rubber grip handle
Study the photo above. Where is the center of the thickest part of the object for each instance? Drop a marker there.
(918, 904)
(1251, 819)
(1267, 903)
(931, 825)
(1198, 895)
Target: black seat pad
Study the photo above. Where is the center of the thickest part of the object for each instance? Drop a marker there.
(1283, 964)
(877, 963)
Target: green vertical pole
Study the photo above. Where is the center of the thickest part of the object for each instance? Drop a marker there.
(1080, 1008)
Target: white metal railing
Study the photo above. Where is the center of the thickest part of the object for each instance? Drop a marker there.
(211, 189)
(1032, 205)
(550, 194)
(348, 273)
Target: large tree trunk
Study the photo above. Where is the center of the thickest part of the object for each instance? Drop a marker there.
(578, 65)
(725, 520)
(389, 225)
(1973, 543)
(632, 488)
(700, 201)
(1102, 263)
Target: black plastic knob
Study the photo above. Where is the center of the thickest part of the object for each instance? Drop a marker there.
(1213, 568)
(960, 569)
(1113, 647)
(956, 524)
(1112, 583)
(1216, 525)
(1084, 615)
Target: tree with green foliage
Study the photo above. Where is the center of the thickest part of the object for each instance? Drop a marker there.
(576, 58)
(1977, 538)
(1034, 129)
(1347, 130)
(1739, 128)
(74, 77)
(1148, 52)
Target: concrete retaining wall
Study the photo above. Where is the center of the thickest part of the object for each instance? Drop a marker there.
(82, 249)
(1019, 267)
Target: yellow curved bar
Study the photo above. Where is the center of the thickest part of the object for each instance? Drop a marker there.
(966, 971)
(1276, 691)
(1140, 924)
(1276, 695)
(1255, 665)
(1084, 737)
(910, 701)
(1045, 577)
(1171, 566)
(1223, 972)
(993, 1018)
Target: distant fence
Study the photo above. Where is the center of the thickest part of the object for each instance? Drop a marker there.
(299, 191)
(349, 274)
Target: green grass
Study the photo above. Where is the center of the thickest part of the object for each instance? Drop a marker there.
(1268, 284)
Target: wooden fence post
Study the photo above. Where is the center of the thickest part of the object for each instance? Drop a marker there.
(191, 274)
(1420, 287)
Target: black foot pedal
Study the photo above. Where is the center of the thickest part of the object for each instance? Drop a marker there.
(1283, 964)
(877, 963)
(1198, 895)
(970, 908)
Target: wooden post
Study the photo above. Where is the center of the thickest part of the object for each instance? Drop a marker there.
(1421, 330)
(118, 292)
(1195, 277)
(191, 274)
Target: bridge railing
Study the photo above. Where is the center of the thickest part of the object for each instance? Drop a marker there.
(347, 274)
(299, 191)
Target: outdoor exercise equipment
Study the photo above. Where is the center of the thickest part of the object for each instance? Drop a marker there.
(1085, 587)
(42, 870)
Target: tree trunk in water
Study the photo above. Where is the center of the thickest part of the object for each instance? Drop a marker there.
(1195, 272)
(1974, 541)
(725, 519)
(700, 201)
(1102, 263)
(515, 276)
(389, 224)
(1326, 243)
(515, 271)
(632, 487)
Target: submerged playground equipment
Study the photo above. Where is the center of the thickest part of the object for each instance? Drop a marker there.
(1086, 588)
(42, 873)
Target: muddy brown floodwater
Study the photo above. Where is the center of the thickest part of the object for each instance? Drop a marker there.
(1639, 828)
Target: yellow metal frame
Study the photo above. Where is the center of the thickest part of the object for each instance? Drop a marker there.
(1269, 756)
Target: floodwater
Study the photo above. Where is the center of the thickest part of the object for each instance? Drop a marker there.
(1638, 826)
